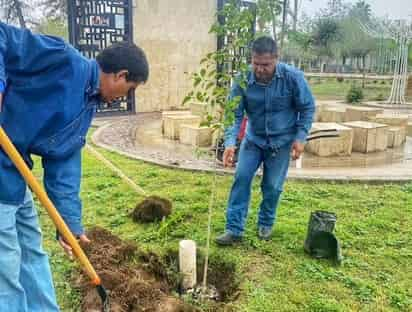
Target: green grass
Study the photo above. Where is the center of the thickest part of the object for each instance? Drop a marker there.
(331, 89)
(374, 227)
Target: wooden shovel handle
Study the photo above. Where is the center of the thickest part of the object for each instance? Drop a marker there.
(116, 170)
(44, 199)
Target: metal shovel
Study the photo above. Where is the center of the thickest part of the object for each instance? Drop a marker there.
(61, 226)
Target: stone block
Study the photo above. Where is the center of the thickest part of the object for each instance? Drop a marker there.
(195, 136)
(339, 146)
(319, 107)
(172, 124)
(368, 136)
(362, 113)
(396, 136)
(399, 120)
(333, 114)
(199, 109)
(172, 113)
(409, 129)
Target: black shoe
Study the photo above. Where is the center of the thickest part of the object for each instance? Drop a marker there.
(264, 233)
(228, 239)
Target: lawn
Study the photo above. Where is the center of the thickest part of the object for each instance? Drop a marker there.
(374, 227)
(331, 89)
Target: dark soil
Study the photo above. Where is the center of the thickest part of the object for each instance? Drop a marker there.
(131, 287)
(140, 281)
(153, 208)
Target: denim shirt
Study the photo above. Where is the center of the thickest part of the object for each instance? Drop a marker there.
(48, 105)
(278, 113)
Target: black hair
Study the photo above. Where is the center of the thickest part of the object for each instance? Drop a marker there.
(125, 56)
(265, 45)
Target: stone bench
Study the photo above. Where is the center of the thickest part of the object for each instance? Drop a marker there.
(362, 113)
(368, 136)
(195, 135)
(333, 114)
(172, 113)
(199, 109)
(172, 123)
(399, 120)
(339, 146)
(409, 129)
(396, 136)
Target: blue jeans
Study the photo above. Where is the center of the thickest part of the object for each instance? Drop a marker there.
(275, 168)
(25, 278)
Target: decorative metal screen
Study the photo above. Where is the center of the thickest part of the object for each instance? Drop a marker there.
(95, 25)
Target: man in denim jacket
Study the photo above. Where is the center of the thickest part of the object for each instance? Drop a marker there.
(48, 96)
(280, 108)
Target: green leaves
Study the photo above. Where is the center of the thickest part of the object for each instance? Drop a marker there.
(212, 86)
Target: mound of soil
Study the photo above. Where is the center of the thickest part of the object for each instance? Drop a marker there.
(153, 208)
(132, 287)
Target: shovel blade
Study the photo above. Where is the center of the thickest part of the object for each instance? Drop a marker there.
(105, 298)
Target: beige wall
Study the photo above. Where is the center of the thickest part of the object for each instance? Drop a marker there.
(175, 36)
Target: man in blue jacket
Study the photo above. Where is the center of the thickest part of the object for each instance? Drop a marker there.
(48, 96)
(280, 109)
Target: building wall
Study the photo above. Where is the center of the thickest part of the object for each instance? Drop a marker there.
(175, 36)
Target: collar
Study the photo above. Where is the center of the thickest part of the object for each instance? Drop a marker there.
(93, 88)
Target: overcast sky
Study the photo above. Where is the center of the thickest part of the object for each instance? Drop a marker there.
(395, 9)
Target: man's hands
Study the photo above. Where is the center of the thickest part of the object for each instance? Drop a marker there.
(67, 248)
(297, 149)
(229, 156)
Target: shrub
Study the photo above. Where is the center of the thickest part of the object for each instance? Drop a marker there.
(340, 79)
(355, 94)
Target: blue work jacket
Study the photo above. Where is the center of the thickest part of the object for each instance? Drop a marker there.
(279, 112)
(48, 104)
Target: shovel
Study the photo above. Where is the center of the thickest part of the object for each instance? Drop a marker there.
(61, 226)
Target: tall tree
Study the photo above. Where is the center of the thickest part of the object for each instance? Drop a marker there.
(268, 16)
(13, 11)
(55, 9)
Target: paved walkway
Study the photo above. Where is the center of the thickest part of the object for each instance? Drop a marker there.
(138, 137)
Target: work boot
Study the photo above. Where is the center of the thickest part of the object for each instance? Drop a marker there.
(227, 239)
(264, 233)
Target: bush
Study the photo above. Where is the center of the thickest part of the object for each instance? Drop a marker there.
(340, 79)
(380, 97)
(355, 94)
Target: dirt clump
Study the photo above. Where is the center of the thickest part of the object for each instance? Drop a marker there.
(153, 208)
(132, 287)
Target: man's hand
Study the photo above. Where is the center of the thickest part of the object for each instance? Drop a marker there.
(67, 248)
(229, 156)
(297, 149)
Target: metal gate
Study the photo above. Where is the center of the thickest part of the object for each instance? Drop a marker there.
(95, 25)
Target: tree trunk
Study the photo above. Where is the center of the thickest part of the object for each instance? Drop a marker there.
(19, 13)
(284, 15)
(295, 15)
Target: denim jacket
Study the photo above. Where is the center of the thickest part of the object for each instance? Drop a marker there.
(278, 113)
(48, 105)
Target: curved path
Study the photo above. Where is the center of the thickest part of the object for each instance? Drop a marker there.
(138, 137)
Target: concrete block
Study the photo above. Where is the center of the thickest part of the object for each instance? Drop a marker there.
(340, 146)
(195, 136)
(396, 136)
(199, 109)
(368, 136)
(333, 114)
(172, 124)
(400, 120)
(172, 113)
(362, 113)
(409, 129)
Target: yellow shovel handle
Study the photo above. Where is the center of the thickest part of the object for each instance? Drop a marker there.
(61, 226)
